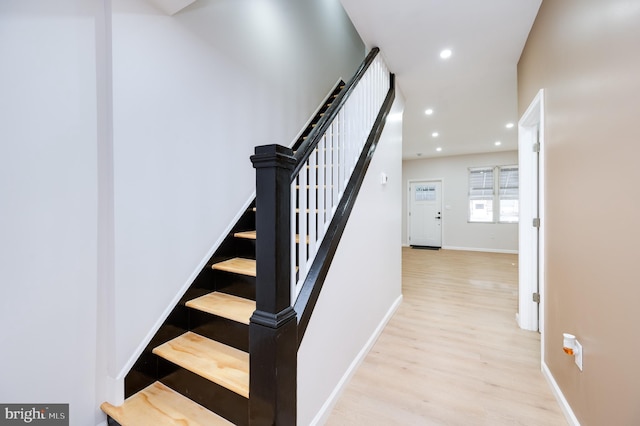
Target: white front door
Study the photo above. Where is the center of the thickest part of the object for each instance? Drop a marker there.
(425, 213)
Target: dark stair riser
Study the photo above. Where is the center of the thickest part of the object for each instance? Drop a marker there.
(145, 370)
(223, 330)
(235, 247)
(236, 284)
(111, 422)
(212, 396)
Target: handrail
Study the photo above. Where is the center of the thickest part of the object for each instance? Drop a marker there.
(299, 194)
(330, 155)
(318, 271)
(304, 151)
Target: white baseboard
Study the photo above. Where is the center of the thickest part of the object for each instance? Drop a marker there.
(488, 250)
(562, 401)
(323, 414)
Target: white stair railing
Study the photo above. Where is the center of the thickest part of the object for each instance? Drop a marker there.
(318, 187)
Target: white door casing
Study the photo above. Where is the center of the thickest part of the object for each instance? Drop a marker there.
(531, 238)
(425, 213)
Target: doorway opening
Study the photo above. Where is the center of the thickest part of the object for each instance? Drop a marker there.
(531, 227)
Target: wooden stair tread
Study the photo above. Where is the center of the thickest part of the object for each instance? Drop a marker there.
(217, 362)
(160, 405)
(298, 239)
(249, 235)
(252, 235)
(225, 305)
(297, 210)
(237, 265)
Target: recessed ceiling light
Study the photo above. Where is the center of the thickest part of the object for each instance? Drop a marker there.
(509, 125)
(497, 143)
(435, 134)
(429, 111)
(446, 54)
(438, 149)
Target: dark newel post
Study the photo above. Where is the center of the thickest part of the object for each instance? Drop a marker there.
(273, 328)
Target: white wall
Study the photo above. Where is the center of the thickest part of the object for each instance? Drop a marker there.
(363, 286)
(48, 205)
(457, 232)
(193, 94)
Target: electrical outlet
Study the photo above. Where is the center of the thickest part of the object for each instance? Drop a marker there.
(578, 355)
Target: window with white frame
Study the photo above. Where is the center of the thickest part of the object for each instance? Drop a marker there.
(508, 194)
(481, 194)
(493, 194)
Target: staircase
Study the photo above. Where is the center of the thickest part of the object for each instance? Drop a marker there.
(257, 296)
(200, 375)
(195, 371)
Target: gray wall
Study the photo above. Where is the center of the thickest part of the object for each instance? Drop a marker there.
(584, 53)
(457, 232)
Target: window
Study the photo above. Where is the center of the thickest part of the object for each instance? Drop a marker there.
(481, 195)
(493, 194)
(508, 196)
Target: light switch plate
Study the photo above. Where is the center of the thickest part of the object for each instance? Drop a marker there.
(578, 355)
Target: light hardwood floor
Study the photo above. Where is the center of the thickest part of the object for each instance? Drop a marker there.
(453, 353)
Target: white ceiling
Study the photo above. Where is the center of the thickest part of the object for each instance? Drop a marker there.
(473, 93)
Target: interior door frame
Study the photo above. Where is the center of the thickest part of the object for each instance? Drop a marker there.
(531, 255)
(412, 181)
